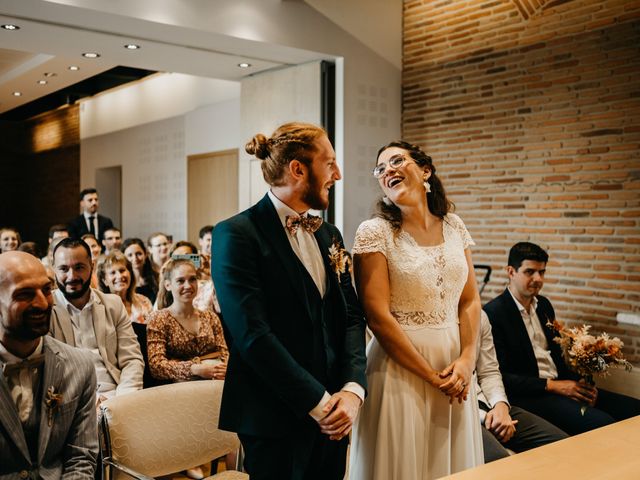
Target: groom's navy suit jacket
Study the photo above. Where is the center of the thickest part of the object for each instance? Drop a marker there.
(283, 354)
(518, 363)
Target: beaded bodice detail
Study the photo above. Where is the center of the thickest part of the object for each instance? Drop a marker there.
(425, 282)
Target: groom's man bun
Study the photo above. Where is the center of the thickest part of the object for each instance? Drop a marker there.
(291, 141)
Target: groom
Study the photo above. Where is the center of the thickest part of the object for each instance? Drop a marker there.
(296, 374)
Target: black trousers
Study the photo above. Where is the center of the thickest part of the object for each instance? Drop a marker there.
(566, 415)
(304, 455)
(531, 432)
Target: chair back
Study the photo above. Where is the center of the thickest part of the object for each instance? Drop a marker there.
(165, 429)
(486, 271)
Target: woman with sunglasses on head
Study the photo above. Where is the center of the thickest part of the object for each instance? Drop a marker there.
(416, 282)
(206, 299)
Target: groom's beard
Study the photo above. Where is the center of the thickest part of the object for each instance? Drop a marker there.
(313, 193)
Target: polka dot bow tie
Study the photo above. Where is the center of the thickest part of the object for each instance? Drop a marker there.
(310, 223)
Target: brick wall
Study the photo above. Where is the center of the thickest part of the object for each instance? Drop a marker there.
(40, 177)
(531, 112)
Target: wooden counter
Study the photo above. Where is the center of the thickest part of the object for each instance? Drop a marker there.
(611, 452)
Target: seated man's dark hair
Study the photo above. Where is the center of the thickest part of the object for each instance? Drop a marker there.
(58, 227)
(204, 230)
(522, 251)
(184, 243)
(72, 243)
(30, 247)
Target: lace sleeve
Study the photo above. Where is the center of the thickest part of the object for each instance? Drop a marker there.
(458, 225)
(371, 237)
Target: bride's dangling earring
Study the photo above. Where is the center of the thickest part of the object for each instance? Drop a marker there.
(386, 201)
(427, 185)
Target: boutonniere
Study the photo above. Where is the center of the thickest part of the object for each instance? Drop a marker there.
(339, 258)
(53, 401)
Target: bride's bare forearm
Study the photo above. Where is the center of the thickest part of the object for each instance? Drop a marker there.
(469, 313)
(469, 317)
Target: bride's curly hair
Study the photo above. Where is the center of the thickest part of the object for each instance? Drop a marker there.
(437, 200)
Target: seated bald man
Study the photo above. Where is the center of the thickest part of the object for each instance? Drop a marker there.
(47, 389)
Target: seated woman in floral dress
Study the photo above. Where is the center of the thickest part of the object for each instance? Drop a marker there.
(184, 343)
(181, 340)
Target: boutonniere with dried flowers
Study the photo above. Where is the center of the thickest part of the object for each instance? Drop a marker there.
(339, 258)
(52, 401)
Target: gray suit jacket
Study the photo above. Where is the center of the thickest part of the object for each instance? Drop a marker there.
(117, 342)
(68, 448)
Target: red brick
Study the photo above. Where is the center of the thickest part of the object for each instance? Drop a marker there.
(560, 106)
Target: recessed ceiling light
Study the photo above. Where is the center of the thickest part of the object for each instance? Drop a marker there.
(17, 94)
(42, 82)
(10, 26)
(50, 74)
(244, 65)
(132, 46)
(90, 55)
(74, 68)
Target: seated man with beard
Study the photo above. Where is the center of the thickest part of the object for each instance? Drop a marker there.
(94, 321)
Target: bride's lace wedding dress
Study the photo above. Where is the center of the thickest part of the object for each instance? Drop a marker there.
(407, 430)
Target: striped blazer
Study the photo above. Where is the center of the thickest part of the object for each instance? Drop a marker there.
(69, 445)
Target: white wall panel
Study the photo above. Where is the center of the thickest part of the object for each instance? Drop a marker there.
(268, 100)
(153, 154)
(153, 163)
(212, 128)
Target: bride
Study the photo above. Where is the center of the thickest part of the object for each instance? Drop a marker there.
(416, 281)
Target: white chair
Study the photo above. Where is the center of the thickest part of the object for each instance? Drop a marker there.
(163, 430)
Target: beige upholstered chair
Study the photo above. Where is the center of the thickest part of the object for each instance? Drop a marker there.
(163, 430)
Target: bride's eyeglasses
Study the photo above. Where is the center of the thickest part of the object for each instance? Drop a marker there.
(394, 162)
